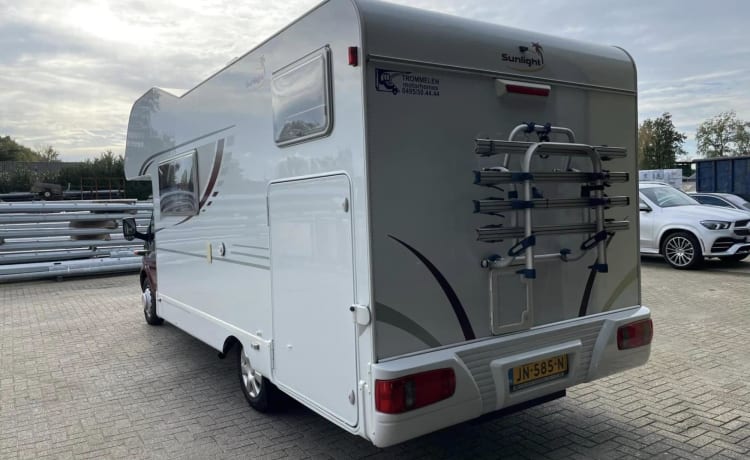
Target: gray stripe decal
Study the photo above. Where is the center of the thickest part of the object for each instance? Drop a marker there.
(396, 319)
(215, 259)
(626, 281)
(450, 294)
(150, 159)
(250, 255)
(250, 247)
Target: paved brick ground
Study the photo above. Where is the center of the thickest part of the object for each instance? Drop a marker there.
(81, 375)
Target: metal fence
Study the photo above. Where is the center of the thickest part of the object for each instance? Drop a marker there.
(58, 239)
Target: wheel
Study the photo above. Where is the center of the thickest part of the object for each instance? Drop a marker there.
(260, 393)
(733, 259)
(682, 250)
(149, 304)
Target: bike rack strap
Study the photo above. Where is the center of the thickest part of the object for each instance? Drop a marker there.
(521, 246)
(594, 240)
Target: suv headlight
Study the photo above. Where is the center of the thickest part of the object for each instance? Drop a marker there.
(715, 224)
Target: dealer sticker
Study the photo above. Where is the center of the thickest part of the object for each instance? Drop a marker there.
(398, 82)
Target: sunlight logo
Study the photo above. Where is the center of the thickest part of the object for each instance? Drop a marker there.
(528, 58)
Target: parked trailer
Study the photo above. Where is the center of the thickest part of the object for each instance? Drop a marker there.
(725, 175)
(403, 248)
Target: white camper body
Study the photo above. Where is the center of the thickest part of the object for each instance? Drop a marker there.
(362, 204)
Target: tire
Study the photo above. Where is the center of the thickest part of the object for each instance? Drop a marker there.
(149, 305)
(260, 393)
(733, 259)
(682, 251)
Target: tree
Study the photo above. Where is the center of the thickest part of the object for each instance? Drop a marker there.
(659, 143)
(48, 153)
(11, 150)
(723, 135)
(645, 141)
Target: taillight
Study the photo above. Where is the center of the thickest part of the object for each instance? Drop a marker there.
(413, 391)
(635, 334)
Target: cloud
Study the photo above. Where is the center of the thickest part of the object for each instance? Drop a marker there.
(70, 71)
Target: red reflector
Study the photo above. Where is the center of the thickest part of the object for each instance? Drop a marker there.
(530, 90)
(414, 391)
(353, 56)
(503, 87)
(635, 334)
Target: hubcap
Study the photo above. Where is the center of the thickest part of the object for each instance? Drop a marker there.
(679, 251)
(250, 377)
(146, 299)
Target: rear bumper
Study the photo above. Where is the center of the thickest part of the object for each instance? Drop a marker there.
(481, 368)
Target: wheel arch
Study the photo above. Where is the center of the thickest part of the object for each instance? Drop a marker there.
(672, 230)
(229, 343)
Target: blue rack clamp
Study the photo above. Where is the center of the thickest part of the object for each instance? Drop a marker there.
(601, 268)
(599, 201)
(530, 126)
(591, 242)
(564, 253)
(521, 176)
(521, 204)
(522, 245)
(528, 273)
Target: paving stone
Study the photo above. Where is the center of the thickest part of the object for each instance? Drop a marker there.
(83, 377)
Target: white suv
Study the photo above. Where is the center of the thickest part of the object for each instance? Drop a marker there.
(684, 231)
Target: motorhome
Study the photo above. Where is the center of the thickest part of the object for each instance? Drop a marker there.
(402, 219)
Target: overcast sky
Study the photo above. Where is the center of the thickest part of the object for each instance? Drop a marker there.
(71, 69)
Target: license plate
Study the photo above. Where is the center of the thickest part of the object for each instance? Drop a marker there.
(537, 372)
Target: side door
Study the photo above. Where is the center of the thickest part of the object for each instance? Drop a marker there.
(312, 272)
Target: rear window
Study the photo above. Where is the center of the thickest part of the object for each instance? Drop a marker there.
(178, 185)
(301, 99)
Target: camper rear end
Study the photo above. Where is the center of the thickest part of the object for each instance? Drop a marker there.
(445, 302)
(402, 219)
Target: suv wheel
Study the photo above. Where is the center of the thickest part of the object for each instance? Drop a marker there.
(682, 250)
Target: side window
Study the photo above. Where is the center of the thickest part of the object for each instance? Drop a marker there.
(301, 99)
(713, 201)
(178, 185)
